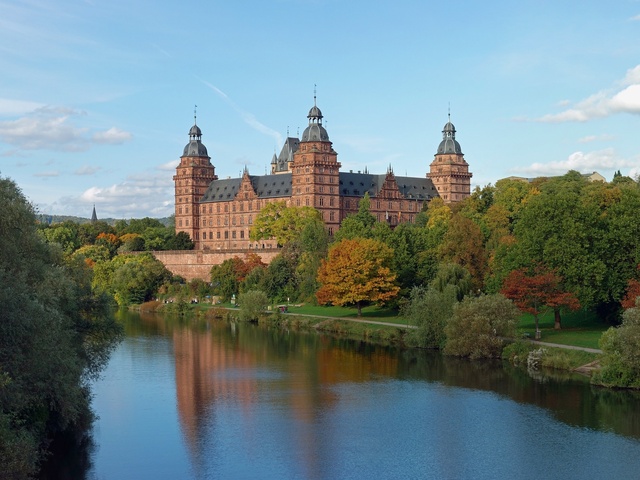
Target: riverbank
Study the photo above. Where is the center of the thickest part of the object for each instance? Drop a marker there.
(376, 326)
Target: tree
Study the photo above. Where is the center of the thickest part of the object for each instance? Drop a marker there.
(357, 271)
(454, 276)
(534, 291)
(283, 223)
(429, 309)
(130, 279)
(479, 325)
(632, 293)
(253, 305)
(620, 362)
(463, 243)
(55, 336)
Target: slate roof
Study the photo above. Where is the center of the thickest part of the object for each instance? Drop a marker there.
(351, 185)
(266, 186)
(357, 184)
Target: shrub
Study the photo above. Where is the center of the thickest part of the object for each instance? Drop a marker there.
(429, 310)
(252, 305)
(620, 359)
(479, 325)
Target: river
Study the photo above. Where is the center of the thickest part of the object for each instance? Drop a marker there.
(213, 400)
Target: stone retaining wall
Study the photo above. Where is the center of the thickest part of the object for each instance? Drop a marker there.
(191, 264)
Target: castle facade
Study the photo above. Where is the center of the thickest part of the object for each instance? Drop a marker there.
(218, 213)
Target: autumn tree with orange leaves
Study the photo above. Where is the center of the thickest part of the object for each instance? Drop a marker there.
(533, 292)
(356, 272)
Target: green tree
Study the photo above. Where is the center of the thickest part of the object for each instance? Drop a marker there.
(55, 335)
(479, 325)
(429, 310)
(130, 279)
(357, 272)
(253, 305)
(283, 223)
(620, 362)
(452, 275)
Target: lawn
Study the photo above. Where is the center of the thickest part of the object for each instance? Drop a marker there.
(371, 312)
(582, 328)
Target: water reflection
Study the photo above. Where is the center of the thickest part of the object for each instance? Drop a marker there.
(251, 401)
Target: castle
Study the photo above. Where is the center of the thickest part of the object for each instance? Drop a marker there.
(218, 213)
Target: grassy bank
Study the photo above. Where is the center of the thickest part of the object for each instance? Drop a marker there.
(581, 329)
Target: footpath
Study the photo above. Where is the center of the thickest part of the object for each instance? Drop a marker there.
(399, 325)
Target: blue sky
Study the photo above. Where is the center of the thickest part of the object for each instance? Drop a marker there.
(97, 97)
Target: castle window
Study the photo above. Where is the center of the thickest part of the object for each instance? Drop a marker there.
(250, 220)
(226, 207)
(348, 204)
(331, 231)
(218, 221)
(218, 235)
(321, 200)
(218, 208)
(331, 201)
(241, 220)
(209, 208)
(332, 216)
(180, 210)
(233, 221)
(241, 233)
(186, 222)
(233, 207)
(186, 209)
(210, 235)
(297, 201)
(306, 201)
(233, 234)
(226, 234)
(180, 222)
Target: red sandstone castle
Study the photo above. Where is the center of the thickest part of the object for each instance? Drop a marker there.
(218, 214)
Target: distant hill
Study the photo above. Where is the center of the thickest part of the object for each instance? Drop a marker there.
(52, 219)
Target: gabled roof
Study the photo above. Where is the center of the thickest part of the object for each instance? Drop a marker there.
(265, 186)
(351, 185)
(357, 184)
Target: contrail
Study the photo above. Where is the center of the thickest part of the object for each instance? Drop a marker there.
(247, 117)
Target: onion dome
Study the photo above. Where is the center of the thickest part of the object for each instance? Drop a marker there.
(449, 143)
(315, 131)
(195, 148)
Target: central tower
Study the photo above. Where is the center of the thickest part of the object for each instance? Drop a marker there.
(315, 174)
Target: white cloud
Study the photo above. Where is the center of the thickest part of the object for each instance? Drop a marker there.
(169, 166)
(596, 138)
(624, 98)
(87, 170)
(635, 18)
(601, 160)
(139, 196)
(52, 173)
(113, 136)
(10, 107)
(53, 128)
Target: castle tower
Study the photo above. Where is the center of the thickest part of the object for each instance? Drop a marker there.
(193, 176)
(449, 171)
(315, 172)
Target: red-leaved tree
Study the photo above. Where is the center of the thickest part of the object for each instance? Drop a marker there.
(633, 292)
(533, 292)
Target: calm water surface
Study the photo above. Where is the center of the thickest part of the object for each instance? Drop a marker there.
(223, 401)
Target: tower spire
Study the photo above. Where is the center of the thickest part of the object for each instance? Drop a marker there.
(194, 114)
(314, 95)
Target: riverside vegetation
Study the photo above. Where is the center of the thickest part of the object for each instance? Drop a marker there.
(546, 247)
(55, 336)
